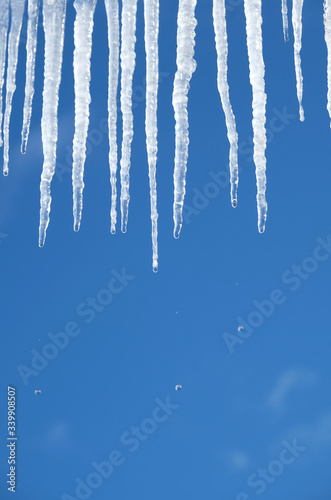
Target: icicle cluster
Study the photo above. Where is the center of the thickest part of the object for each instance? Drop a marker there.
(186, 66)
(54, 15)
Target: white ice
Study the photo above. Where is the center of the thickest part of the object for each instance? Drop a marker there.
(152, 79)
(113, 73)
(128, 62)
(297, 30)
(17, 11)
(54, 13)
(223, 87)
(31, 48)
(285, 19)
(4, 19)
(327, 25)
(186, 65)
(83, 29)
(256, 73)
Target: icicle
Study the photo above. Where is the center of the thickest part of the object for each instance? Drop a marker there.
(128, 62)
(82, 73)
(54, 12)
(223, 87)
(17, 11)
(4, 19)
(285, 19)
(31, 48)
(113, 72)
(151, 10)
(327, 26)
(256, 74)
(297, 29)
(186, 66)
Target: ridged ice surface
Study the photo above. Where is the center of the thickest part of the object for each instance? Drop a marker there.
(31, 48)
(83, 29)
(327, 26)
(186, 65)
(113, 73)
(152, 83)
(285, 19)
(297, 30)
(223, 87)
(256, 73)
(17, 11)
(128, 63)
(4, 19)
(54, 12)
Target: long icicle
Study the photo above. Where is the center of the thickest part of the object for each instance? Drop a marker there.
(113, 73)
(297, 29)
(31, 48)
(54, 20)
(128, 62)
(151, 12)
(83, 29)
(256, 73)
(17, 11)
(223, 87)
(4, 20)
(327, 26)
(186, 65)
(285, 19)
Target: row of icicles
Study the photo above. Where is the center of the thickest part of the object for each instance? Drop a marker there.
(123, 55)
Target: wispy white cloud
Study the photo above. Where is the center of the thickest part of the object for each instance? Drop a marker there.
(287, 382)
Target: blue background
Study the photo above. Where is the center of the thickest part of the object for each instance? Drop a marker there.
(235, 409)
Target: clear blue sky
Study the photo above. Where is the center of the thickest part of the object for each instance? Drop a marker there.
(238, 411)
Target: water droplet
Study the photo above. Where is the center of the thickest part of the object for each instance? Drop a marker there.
(178, 387)
(37, 392)
(240, 328)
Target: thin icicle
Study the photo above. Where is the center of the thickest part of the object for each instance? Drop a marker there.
(297, 29)
(256, 73)
(31, 48)
(327, 26)
(128, 62)
(4, 19)
(83, 29)
(285, 19)
(54, 12)
(223, 87)
(113, 72)
(186, 65)
(17, 11)
(151, 10)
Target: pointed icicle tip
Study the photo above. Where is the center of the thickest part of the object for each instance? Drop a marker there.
(24, 146)
(177, 229)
